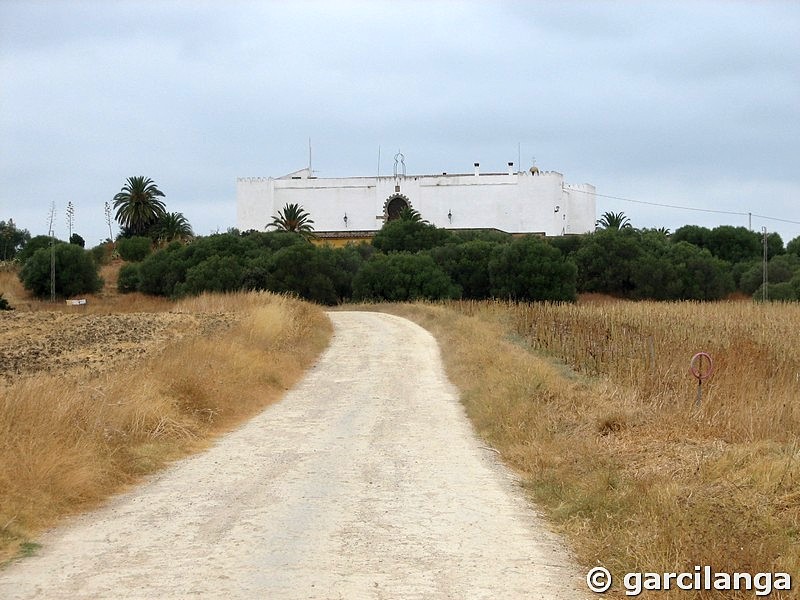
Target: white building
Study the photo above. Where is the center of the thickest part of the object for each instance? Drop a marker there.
(355, 207)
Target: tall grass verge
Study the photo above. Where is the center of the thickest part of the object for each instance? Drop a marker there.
(606, 437)
(68, 443)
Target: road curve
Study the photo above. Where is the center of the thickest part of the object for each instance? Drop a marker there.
(365, 481)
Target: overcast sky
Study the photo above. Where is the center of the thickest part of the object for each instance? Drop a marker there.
(694, 104)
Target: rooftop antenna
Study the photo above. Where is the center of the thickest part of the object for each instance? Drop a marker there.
(519, 156)
(310, 171)
(379, 160)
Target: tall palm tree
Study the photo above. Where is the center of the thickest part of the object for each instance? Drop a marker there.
(612, 220)
(173, 226)
(293, 218)
(138, 206)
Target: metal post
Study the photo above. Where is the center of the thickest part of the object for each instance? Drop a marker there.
(765, 277)
(52, 253)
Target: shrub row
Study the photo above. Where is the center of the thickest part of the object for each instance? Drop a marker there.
(523, 269)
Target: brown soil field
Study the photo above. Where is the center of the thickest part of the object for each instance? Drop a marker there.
(66, 344)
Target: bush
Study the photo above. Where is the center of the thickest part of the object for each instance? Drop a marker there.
(77, 240)
(214, 274)
(128, 278)
(134, 249)
(401, 276)
(467, 265)
(780, 292)
(160, 272)
(102, 253)
(700, 275)
(793, 247)
(405, 235)
(304, 270)
(12, 240)
(37, 242)
(530, 269)
(4, 305)
(607, 260)
(76, 272)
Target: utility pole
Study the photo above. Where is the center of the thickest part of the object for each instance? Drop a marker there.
(765, 276)
(52, 252)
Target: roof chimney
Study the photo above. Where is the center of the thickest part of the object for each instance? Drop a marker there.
(477, 169)
(511, 168)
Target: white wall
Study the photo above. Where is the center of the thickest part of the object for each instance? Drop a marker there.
(515, 203)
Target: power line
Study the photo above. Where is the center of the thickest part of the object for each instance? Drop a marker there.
(694, 208)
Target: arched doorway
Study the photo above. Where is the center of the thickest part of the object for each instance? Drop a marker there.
(394, 206)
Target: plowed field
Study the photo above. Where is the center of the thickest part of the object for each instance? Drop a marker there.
(65, 343)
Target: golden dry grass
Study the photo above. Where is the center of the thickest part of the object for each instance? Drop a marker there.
(606, 437)
(67, 442)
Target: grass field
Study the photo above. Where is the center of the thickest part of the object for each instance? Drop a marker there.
(594, 406)
(74, 432)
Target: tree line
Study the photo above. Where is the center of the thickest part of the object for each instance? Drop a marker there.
(411, 259)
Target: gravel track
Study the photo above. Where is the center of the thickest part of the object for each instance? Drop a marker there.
(365, 481)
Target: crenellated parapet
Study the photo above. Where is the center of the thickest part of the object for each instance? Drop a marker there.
(253, 179)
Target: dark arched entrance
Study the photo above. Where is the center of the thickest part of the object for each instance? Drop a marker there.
(394, 206)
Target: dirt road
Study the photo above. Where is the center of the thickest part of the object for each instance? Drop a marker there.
(365, 481)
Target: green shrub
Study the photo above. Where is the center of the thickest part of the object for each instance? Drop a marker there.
(304, 270)
(405, 235)
(102, 253)
(793, 247)
(37, 242)
(699, 275)
(4, 305)
(782, 292)
(214, 274)
(162, 271)
(606, 262)
(75, 270)
(134, 249)
(128, 278)
(467, 265)
(401, 276)
(530, 269)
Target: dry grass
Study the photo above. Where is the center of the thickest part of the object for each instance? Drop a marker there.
(604, 432)
(66, 443)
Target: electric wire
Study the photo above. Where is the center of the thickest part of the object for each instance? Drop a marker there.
(694, 208)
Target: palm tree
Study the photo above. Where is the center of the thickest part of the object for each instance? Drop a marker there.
(173, 226)
(293, 218)
(611, 220)
(410, 214)
(138, 206)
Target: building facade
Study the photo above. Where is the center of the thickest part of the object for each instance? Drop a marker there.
(352, 208)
